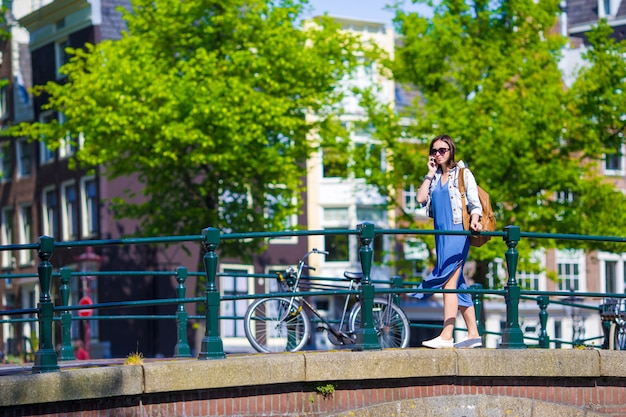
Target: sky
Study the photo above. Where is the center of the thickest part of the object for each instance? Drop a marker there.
(372, 10)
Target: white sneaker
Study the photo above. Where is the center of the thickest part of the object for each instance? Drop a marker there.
(469, 343)
(438, 343)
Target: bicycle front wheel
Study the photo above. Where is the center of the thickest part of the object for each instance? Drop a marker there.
(276, 325)
(390, 322)
(617, 337)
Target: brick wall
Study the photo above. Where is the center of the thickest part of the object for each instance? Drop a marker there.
(416, 396)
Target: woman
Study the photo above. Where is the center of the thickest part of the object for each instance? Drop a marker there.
(441, 194)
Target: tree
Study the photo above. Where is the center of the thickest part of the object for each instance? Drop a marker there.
(212, 105)
(597, 94)
(486, 73)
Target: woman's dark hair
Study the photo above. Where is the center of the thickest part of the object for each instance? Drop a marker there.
(447, 139)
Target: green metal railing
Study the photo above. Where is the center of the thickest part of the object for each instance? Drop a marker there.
(210, 238)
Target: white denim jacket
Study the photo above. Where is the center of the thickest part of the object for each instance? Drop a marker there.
(471, 191)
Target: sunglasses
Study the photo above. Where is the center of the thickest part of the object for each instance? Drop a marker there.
(442, 151)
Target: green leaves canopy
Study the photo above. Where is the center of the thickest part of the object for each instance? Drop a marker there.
(486, 73)
(210, 104)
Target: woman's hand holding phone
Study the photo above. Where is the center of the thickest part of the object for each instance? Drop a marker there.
(432, 166)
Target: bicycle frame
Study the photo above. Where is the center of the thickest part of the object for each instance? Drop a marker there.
(336, 331)
(284, 322)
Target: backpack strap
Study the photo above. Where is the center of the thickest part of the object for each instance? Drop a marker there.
(461, 181)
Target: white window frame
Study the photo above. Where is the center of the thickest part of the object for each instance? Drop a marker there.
(25, 233)
(50, 220)
(343, 223)
(60, 56)
(90, 208)
(620, 272)
(7, 229)
(410, 204)
(225, 330)
(69, 146)
(538, 257)
(66, 219)
(22, 144)
(572, 257)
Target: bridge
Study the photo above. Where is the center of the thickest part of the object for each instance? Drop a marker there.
(515, 379)
(395, 382)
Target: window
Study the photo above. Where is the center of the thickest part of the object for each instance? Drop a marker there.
(610, 276)
(570, 267)
(89, 207)
(46, 155)
(614, 164)
(7, 235)
(4, 108)
(6, 168)
(69, 144)
(24, 158)
(233, 285)
(337, 245)
(529, 280)
(612, 271)
(26, 233)
(50, 209)
(61, 56)
(532, 280)
(69, 211)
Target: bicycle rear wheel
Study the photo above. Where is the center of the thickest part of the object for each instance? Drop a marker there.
(276, 325)
(390, 322)
(617, 337)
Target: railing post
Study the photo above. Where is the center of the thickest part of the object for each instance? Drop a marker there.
(211, 346)
(67, 350)
(182, 349)
(478, 307)
(606, 319)
(366, 337)
(396, 282)
(512, 336)
(543, 302)
(45, 357)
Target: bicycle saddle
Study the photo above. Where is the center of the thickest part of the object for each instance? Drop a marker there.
(354, 276)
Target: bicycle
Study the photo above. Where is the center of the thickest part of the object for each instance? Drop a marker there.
(614, 310)
(282, 324)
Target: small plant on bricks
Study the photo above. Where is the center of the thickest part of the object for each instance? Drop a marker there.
(326, 390)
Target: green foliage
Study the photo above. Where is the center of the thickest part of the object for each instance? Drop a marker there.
(597, 95)
(326, 390)
(208, 105)
(486, 73)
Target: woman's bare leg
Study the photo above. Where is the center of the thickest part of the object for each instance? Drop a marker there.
(450, 306)
(469, 315)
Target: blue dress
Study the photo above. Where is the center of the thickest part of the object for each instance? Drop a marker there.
(451, 250)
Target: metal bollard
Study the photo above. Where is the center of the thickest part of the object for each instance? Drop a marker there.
(366, 337)
(512, 336)
(67, 350)
(45, 357)
(211, 346)
(543, 302)
(182, 349)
